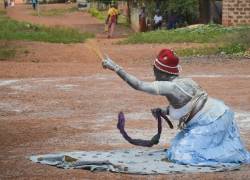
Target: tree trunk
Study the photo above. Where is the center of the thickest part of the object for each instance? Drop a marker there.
(204, 8)
(129, 3)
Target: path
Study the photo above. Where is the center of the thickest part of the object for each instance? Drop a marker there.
(79, 19)
(67, 59)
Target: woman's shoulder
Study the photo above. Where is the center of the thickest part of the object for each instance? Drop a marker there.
(185, 80)
(188, 85)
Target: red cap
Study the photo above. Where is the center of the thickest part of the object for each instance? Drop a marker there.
(167, 62)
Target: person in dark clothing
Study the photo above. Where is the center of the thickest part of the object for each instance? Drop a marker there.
(5, 4)
(172, 20)
(34, 4)
(142, 20)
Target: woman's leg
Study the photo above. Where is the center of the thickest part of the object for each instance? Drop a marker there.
(34, 6)
(112, 29)
(209, 143)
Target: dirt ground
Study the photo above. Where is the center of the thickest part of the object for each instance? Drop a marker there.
(57, 97)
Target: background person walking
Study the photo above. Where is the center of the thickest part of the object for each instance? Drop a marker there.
(5, 4)
(112, 20)
(34, 4)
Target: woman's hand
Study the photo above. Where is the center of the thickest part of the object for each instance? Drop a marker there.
(155, 112)
(107, 63)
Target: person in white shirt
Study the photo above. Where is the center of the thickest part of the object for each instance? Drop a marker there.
(157, 20)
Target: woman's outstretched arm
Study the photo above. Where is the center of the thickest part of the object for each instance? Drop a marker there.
(156, 87)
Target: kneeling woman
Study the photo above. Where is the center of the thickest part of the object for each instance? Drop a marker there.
(209, 134)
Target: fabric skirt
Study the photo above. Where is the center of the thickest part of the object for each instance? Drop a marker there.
(210, 138)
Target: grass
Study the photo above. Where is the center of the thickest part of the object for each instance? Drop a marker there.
(101, 15)
(196, 51)
(54, 12)
(2, 12)
(14, 30)
(227, 49)
(227, 40)
(7, 53)
(199, 34)
(236, 43)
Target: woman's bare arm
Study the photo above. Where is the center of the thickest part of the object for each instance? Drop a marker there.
(157, 87)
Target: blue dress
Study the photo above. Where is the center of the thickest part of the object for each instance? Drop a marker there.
(210, 138)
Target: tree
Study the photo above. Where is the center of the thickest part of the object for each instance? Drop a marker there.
(186, 9)
(107, 2)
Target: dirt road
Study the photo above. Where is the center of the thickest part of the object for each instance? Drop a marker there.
(58, 98)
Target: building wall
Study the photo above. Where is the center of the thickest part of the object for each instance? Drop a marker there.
(235, 12)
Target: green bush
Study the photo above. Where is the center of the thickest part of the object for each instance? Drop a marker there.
(185, 9)
(96, 13)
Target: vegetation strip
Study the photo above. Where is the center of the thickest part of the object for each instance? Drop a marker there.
(14, 30)
(227, 40)
(54, 12)
(7, 53)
